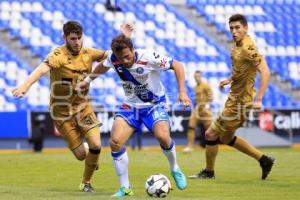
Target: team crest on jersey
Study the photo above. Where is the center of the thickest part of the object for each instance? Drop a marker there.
(139, 70)
(120, 69)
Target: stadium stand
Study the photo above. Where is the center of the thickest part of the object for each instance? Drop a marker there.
(37, 24)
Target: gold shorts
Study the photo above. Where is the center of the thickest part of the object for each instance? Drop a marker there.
(232, 117)
(201, 115)
(76, 127)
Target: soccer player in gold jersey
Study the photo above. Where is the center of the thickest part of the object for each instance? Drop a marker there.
(202, 113)
(71, 110)
(246, 61)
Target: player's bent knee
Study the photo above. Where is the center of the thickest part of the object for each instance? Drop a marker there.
(95, 146)
(208, 132)
(115, 145)
(161, 137)
(79, 152)
(232, 141)
(210, 136)
(80, 156)
(164, 139)
(93, 138)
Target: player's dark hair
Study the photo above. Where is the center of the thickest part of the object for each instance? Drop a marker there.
(72, 27)
(198, 72)
(121, 42)
(239, 18)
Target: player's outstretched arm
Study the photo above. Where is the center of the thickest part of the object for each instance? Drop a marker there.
(99, 69)
(264, 72)
(180, 76)
(22, 89)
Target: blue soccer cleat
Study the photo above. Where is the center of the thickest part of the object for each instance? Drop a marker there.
(179, 178)
(122, 192)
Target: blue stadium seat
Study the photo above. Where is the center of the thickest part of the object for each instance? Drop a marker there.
(101, 31)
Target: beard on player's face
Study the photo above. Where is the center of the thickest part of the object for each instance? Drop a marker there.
(197, 77)
(74, 43)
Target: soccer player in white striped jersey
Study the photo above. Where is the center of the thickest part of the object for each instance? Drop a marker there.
(139, 71)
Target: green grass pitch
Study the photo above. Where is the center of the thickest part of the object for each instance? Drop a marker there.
(57, 176)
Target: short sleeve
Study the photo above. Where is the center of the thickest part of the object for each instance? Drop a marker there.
(96, 54)
(251, 54)
(53, 58)
(159, 61)
(107, 62)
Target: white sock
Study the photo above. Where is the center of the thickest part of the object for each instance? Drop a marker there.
(170, 153)
(120, 162)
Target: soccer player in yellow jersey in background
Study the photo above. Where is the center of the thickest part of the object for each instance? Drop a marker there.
(70, 110)
(202, 113)
(246, 61)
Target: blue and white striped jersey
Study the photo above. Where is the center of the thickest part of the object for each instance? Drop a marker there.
(141, 82)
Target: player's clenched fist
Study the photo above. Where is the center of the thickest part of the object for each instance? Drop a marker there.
(223, 83)
(257, 105)
(83, 85)
(19, 91)
(184, 99)
(127, 29)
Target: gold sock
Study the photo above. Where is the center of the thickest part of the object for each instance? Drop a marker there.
(91, 163)
(245, 147)
(191, 137)
(211, 154)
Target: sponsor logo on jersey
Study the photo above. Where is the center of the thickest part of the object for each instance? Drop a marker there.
(120, 69)
(142, 78)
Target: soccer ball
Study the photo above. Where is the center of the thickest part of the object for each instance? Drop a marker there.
(158, 185)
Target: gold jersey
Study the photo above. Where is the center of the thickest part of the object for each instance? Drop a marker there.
(203, 93)
(245, 59)
(66, 71)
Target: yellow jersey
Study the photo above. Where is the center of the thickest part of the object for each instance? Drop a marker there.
(203, 93)
(245, 59)
(66, 71)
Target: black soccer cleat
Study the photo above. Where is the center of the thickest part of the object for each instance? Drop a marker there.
(203, 174)
(266, 164)
(86, 187)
